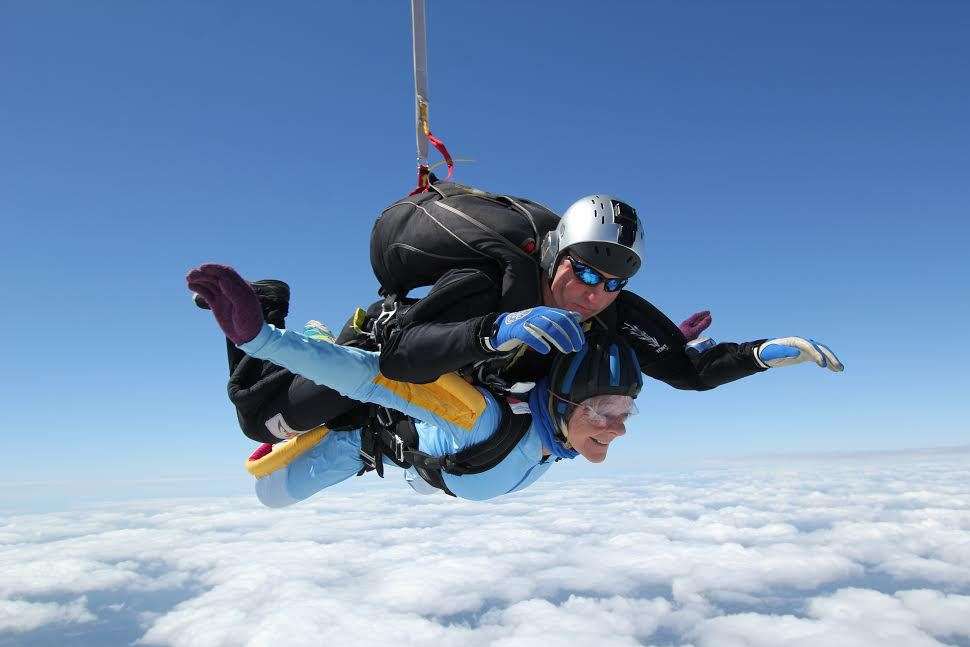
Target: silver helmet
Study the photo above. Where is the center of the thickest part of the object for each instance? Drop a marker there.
(603, 231)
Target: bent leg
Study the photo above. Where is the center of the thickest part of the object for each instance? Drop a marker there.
(273, 404)
(334, 459)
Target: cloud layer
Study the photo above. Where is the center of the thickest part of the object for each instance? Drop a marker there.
(854, 554)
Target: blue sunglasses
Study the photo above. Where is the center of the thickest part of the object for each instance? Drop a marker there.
(591, 277)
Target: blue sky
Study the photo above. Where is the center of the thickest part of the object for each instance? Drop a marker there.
(801, 169)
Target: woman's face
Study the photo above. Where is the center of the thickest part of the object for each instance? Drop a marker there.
(596, 423)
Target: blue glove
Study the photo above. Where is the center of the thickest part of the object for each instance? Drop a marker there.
(795, 350)
(539, 328)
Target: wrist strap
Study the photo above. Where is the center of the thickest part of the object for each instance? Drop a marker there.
(757, 356)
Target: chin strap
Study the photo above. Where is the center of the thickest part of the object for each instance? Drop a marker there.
(552, 439)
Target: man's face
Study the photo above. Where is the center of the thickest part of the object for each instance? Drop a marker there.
(566, 291)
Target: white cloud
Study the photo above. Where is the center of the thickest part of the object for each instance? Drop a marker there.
(939, 614)
(850, 617)
(848, 555)
(18, 616)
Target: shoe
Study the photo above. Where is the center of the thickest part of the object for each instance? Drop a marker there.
(274, 297)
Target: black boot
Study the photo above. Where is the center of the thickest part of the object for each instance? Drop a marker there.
(274, 297)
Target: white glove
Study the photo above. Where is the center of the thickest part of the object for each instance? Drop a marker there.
(786, 351)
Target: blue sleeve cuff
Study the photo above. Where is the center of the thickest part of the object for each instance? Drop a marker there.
(253, 346)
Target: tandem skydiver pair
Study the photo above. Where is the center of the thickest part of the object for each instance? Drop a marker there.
(578, 410)
(484, 254)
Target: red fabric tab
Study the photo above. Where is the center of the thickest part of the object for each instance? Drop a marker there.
(440, 145)
(423, 170)
(422, 180)
(261, 451)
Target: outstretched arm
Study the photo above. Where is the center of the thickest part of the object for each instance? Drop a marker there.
(667, 352)
(443, 331)
(670, 353)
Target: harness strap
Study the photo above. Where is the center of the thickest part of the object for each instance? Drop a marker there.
(434, 479)
(387, 433)
(487, 454)
(371, 451)
(389, 310)
(397, 438)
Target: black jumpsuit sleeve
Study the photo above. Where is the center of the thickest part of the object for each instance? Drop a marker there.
(443, 331)
(663, 354)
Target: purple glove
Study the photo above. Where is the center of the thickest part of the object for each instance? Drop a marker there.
(232, 300)
(695, 324)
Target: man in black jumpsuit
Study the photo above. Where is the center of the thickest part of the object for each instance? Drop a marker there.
(585, 261)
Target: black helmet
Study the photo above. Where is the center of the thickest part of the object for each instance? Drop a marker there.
(606, 365)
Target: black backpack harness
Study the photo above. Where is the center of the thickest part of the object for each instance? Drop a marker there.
(418, 239)
(392, 434)
(386, 432)
(472, 228)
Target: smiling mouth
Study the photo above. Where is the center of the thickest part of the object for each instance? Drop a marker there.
(601, 444)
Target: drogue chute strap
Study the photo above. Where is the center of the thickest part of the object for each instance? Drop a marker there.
(424, 170)
(419, 41)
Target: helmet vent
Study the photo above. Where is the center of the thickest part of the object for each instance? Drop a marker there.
(598, 225)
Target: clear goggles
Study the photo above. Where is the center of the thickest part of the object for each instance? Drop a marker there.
(604, 410)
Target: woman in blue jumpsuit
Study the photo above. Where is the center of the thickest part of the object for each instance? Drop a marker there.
(579, 410)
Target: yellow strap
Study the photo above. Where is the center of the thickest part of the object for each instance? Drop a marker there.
(358, 321)
(286, 452)
(423, 116)
(449, 397)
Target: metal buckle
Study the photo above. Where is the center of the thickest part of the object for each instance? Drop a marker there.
(368, 460)
(385, 315)
(379, 322)
(398, 448)
(384, 417)
(519, 388)
(488, 377)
